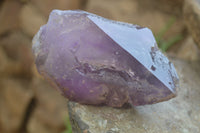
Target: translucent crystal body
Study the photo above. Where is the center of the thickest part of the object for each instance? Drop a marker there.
(93, 60)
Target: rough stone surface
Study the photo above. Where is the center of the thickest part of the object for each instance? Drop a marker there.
(192, 18)
(15, 98)
(31, 19)
(50, 111)
(179, 115)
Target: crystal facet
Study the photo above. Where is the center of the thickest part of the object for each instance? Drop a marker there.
(93, 60)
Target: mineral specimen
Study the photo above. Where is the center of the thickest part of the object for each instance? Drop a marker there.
(93, 60)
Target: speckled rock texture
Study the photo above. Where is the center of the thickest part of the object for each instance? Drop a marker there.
(179, 115)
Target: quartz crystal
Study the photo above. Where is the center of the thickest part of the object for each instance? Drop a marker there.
(93, 60)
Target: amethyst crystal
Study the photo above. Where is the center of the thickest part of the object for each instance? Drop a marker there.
(93, 60)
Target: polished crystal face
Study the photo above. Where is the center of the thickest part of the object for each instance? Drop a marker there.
(93, 60)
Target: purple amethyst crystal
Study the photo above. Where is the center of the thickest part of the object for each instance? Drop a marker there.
(93, 60)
